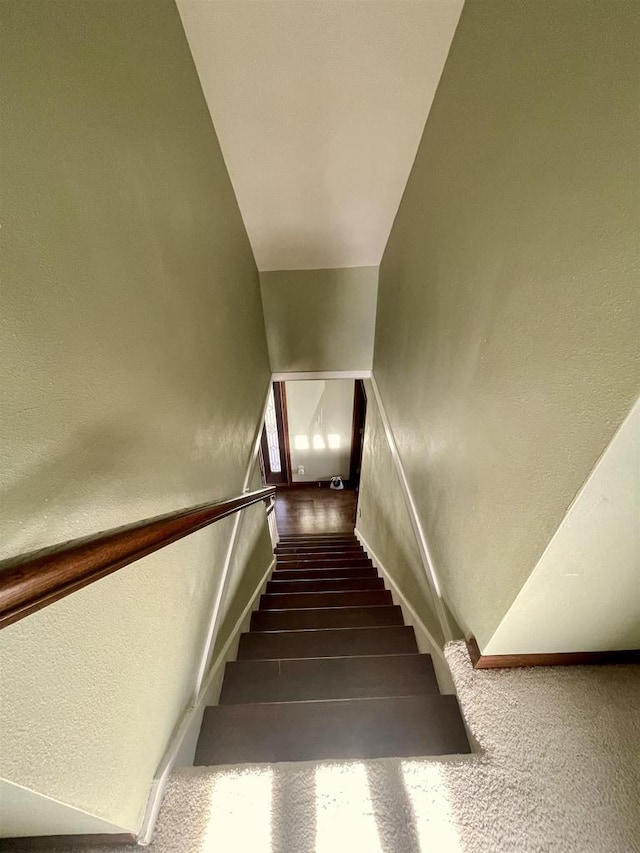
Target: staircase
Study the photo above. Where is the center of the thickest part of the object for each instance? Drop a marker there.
(328, 670)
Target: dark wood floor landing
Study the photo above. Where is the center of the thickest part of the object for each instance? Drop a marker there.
(313, 510)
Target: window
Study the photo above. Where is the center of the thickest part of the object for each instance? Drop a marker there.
(271, 430)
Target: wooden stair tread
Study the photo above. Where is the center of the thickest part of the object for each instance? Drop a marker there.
(324, 573)
(327, 642)
(342, 563)
(331, 729)
(327, 678)
(337, 584)
(325, 617)
(321, 556)
(313, 543)
(314, 549)
(295, 537)
(318, 546)
(350, 598)
(328, 669)
(319, 543)
(329, 544)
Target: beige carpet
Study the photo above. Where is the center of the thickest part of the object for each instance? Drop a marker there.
(559, 771)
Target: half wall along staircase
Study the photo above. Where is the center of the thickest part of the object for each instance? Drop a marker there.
(328, 670)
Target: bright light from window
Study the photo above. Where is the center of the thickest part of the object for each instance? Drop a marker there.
(345, 817)
(318, 442)
(301, 442)
(334, 441)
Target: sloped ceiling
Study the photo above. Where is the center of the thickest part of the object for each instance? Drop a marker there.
(319, 106)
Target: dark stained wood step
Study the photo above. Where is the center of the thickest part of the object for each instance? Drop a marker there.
(345, 541)
(346, 728)
(336, 584)
(314, 543)
(323, 574)
(315, 549)
(317, 540)
(322, 554)
(322, 537)
(354, 554)
(327, 678)
(327, 642)
(325, 617)
(359, 598)
(337, 562)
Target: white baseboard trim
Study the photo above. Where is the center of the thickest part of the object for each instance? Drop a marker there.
(292, 376)
(421, 539)
(425, 639)
(165, 767)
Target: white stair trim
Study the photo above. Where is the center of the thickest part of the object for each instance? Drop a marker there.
(427, 644)
(421, 539)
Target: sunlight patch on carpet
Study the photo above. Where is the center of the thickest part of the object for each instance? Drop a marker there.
(239, 812)
(345, 818)
(427, 789)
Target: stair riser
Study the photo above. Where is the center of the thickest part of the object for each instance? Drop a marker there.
(315, 540)
(314, 549)
(364, 598)
(317, 537)
(327, 678)
(322, 574)
(325, 617)
(321, 555)
(338, 585)
(333, 549)
(327, 643)
(342, 562)
(331, 545)
(347, 729)
(320, 543)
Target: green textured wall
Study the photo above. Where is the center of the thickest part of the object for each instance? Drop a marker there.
(133, 369)
(508, 313)
(320, 319)
(384, 522)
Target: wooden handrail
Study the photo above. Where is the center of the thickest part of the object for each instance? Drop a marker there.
(32, 581)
